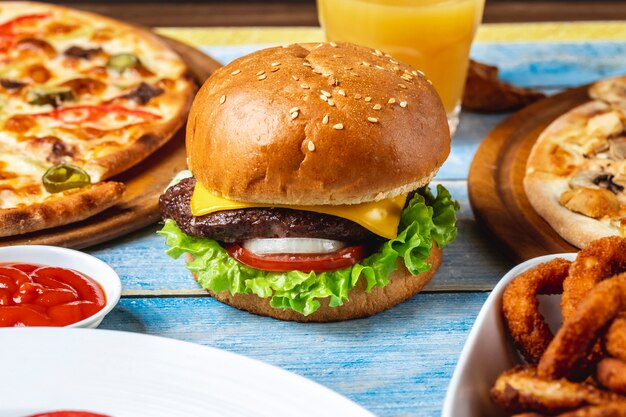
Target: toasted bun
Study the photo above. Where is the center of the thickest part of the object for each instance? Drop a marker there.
(308, 125)
(402, 286)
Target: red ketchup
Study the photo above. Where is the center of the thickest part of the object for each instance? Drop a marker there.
(39, 295)
(68, 414)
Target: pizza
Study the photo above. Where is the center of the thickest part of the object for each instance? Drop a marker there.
(576, 172)
(82, 98)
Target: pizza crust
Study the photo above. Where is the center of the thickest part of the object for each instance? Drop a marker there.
(72, 206)
(611, 90)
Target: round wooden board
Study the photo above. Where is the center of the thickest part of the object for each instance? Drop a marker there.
(495, 187)
(144, 183)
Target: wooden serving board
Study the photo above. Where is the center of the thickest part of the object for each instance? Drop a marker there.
(144, 183)
(495, 188)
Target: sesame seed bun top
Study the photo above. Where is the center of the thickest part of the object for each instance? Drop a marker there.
(316, 124)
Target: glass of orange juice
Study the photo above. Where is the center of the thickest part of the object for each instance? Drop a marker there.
(433, 36)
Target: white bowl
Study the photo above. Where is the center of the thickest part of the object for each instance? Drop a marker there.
(72, 259)
(489, 350)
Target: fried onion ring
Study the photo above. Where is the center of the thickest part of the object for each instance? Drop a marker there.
(615, 339)
(519, 389)
(612, 374)
(596, 262)
(583, 328)
(527, 327)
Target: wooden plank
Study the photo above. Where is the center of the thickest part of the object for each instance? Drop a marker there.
(396, 363)
(553, 64)
(304, 13)
(471, 263)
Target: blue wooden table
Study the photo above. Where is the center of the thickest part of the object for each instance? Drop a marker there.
(397, 363)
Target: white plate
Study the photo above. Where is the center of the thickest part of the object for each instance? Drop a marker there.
(134, 375)
(489, 351)
(71, 259)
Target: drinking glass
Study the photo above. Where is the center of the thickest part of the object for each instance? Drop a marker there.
(433, 36)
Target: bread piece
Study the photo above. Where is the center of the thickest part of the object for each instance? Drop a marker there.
(316, 125)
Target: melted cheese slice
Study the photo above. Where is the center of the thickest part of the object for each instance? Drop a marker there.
(380, 217)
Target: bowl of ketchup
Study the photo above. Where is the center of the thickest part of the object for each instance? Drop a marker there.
(53, 286)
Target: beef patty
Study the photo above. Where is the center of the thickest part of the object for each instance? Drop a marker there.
(242, 224)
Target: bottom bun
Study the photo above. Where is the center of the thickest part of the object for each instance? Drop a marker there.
(402, 286)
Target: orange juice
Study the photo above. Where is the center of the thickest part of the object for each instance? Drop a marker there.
(433, 36)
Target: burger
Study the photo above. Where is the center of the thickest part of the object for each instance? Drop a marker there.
(307, 197)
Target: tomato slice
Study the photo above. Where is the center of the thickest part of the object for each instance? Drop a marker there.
(298, 262)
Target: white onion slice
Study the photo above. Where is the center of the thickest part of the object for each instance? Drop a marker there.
(266, 246)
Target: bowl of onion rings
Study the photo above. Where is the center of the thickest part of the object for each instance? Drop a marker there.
(489, 350)
(550, 340)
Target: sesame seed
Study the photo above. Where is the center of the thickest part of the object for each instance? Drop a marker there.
(326, 93)
(295, 78)
(377, 107)
(275, 69)
(429, 82)
(393, 61)
(337, 56)
(294, 109)
(319, 44)
(235, 72)
(347, 68)
(403, 104)
(333, 44)
(367, 64)
(401, 85)
(357, 96)
(316, 71)
(391, 101)
(338, 126)
(260, 73)
(294, 115)
(388, 56)
(377, 52)
(372, 119)
(262, 77)
(222, 99)
(341, 93)
(306, 64)
(325, 120)
(323, 97)
(421, 73)
(414, 73)
(396, 68)
(368, 99)
(331, 102)
(379, 67)
(275, 64)
(311, 146)
(306, 87)
(406, 77)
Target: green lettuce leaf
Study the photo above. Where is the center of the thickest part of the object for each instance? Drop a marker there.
(426, 218)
